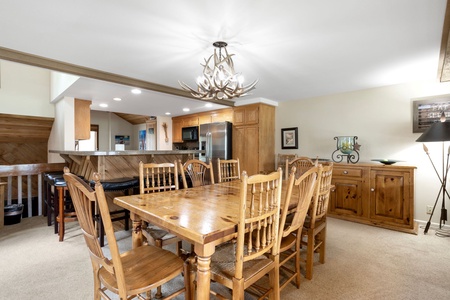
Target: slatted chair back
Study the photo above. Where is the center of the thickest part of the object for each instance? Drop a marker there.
(301, 163)
(199, 172)
(132, 273)
(83, 198)
(228, 170)
(258, 219)
(319, 206)
(316, 224)
(299, 193)
(155, 177)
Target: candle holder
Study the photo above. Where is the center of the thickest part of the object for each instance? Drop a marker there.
(346, 146)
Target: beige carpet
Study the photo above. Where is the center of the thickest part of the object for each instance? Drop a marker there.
(363, 262)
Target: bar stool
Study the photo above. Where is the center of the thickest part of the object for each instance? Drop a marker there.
(125, 185)
(48, 209)
(64, 206)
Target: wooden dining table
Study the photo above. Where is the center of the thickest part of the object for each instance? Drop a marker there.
(204, 216)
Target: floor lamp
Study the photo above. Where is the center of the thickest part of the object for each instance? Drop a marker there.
(438, 132)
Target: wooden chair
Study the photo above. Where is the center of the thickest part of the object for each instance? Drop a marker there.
(228, 170)
(281, 160)
(315, 226)
(128, 274)
(240, 263)
(301, 163)
(299, 193)
(155, 178)
(199, 173)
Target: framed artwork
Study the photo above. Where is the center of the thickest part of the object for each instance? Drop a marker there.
(122, 139)
(289, 138)
(429, 110)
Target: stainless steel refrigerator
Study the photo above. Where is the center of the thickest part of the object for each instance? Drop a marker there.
(215, 139)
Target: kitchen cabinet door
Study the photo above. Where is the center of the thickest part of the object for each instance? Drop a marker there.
(177, 124)
(246, 148)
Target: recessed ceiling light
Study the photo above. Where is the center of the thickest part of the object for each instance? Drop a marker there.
(208, 105)
(186, 109)
(117, 99)
(136, 91)
(103, 105)
(167, 113)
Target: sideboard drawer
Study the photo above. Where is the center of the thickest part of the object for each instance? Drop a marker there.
(347, 172)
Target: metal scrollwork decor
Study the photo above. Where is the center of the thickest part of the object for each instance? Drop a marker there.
(348, 147)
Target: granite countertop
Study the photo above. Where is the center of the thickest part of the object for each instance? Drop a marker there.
(126, 152)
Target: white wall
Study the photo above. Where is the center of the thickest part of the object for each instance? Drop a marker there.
(25, 90)
(382, 120)
(59, 82)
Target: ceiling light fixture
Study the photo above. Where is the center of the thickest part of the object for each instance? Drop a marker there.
(219, 80)
(117, 99)
(136, 91)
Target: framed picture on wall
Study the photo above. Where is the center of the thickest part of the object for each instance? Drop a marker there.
(289, 138)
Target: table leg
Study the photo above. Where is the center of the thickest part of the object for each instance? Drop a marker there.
(137, 230)
(203, 277)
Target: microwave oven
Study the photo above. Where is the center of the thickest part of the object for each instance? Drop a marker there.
(189, 133)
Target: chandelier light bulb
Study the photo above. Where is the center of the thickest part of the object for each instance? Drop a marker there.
(443, 118)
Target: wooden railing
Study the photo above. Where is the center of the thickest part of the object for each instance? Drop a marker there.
(32, 187)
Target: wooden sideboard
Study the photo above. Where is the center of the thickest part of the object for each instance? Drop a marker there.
(374, 194)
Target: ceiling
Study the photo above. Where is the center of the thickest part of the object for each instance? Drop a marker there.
(297, 49)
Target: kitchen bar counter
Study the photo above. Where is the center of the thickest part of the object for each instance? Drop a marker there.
(117, 164)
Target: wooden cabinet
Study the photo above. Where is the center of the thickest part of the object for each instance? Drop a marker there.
(391, 200)
(190, 121)
(177, 124)
(374, 194)
(82, 111)
(253, 138)
(204, 119)
(347, 196)
(220, 115)
(246, 115)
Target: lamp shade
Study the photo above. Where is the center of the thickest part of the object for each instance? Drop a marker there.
(438, 132)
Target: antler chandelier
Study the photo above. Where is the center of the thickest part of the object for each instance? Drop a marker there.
(219, 80)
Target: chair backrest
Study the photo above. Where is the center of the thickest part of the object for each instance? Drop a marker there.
(199, 172)
(83, 198)
(158, 177)
(228, 169)
(259, 214)
(281, 160)
(301, 163)
(299, 193)
(321, 198)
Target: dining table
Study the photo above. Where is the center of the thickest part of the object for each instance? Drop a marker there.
(205, 216)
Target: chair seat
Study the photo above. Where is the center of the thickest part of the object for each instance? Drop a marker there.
(223, 263)
(118, 184)
(144, 268)
(157, 233)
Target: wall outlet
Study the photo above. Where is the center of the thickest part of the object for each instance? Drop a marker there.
(429, 209)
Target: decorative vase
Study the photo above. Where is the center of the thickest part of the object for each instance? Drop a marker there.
(345, 144)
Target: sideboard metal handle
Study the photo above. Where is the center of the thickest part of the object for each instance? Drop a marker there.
(372, 190)
(345, 172)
